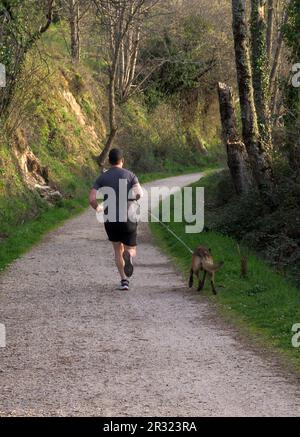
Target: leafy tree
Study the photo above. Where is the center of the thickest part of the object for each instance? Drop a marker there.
(22, 24)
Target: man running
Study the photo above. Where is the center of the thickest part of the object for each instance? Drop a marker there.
(121, 231)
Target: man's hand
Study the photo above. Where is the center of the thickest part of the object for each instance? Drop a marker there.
(93, 199)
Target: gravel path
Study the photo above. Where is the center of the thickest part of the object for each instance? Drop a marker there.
(76, 346)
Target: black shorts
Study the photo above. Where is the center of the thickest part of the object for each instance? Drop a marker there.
(125, 233)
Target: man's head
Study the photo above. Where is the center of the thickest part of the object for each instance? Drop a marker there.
(115, 157)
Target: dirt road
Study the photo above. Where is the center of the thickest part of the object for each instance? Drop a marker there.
(76, 346)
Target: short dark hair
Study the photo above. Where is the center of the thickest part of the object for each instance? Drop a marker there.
(115, 156)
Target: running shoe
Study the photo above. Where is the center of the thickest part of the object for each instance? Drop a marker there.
(124, 285)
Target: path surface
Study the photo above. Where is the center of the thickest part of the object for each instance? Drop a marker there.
(78, 347)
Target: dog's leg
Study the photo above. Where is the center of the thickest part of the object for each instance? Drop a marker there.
(191, 281)
(212, 281)
(202, 283)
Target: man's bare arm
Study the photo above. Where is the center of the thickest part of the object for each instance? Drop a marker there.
(137, 191)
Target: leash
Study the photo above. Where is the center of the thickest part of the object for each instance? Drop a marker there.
(166, 227)
(172, 232)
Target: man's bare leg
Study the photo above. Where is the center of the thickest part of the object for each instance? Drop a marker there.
(131, 250)
(119, 249)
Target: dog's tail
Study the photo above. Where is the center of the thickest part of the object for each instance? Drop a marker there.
(212, 268)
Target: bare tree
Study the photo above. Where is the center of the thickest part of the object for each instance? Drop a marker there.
(74, 17)
(122, 21)
(259, 160)
(76, 11)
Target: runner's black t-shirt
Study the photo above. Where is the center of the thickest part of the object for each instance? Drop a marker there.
(112, 178)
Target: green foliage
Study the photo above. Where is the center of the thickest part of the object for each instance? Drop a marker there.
(156, 140)
(181, 49)
(55, 41)
(292, 29)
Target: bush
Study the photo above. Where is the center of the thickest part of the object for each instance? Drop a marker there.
(271, 229)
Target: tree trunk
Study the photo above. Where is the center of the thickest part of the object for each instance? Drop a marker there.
(74, 29)
(258, 158)
(273, 105)
(260, 69)
(112, 121)
(237, 157)
(277, 55)
(270, 28)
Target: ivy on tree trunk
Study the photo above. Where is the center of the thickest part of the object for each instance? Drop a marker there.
(259, 159)
(260, 69)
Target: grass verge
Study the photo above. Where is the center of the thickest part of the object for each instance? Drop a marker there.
(264, 304)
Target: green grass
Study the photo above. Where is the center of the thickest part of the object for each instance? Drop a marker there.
(265, 304)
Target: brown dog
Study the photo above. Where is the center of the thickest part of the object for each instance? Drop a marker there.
(202, 260)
